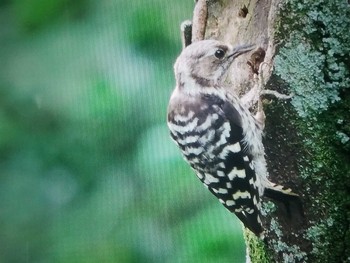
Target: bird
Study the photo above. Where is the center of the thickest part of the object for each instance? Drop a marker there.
(217, 134)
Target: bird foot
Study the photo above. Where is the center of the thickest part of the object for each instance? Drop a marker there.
(253, 97)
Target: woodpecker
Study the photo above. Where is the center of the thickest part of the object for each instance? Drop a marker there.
(218, 135)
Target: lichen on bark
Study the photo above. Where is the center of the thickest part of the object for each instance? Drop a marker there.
(307, 139)
(316, 55)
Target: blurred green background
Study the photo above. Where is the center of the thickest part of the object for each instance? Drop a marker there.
(88, 172)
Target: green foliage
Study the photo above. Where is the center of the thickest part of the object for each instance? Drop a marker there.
(35, 14)
(314, 62)
(150, 39)
(88, 172)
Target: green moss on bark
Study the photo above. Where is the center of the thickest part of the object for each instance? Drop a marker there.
(314, 64)
(326, 174)
(257, 250)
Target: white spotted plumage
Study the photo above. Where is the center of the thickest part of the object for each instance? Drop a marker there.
(217, 135)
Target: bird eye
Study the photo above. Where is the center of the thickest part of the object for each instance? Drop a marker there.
(219, 53)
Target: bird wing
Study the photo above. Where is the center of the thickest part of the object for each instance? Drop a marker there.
(240, 195)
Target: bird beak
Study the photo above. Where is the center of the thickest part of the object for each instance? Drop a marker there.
(239, 50)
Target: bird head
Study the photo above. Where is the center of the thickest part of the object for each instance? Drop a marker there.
(206, 62)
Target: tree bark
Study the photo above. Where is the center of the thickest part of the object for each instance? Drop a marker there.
(307, 147)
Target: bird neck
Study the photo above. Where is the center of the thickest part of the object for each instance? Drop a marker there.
(192, 84)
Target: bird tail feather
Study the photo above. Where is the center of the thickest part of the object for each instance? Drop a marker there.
(284, 195)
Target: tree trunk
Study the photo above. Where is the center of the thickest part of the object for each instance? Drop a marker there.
(306, 138)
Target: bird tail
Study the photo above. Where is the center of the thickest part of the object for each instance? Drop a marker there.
(284, 195)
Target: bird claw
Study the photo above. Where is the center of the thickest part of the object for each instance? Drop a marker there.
(277, 94)
(253, 97)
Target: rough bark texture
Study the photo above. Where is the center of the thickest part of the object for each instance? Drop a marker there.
(306, 151)
(243, 22)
